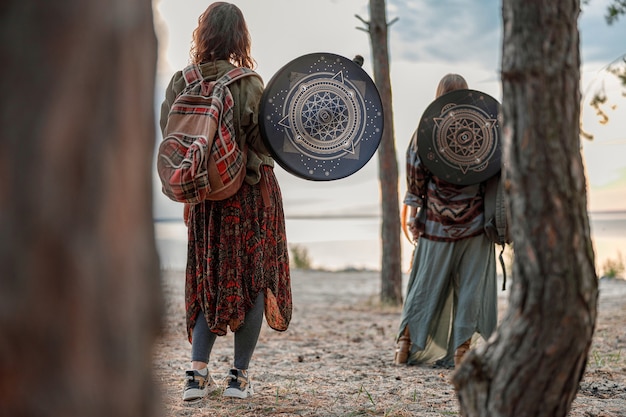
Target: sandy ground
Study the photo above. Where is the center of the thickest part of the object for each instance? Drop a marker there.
(336, 359)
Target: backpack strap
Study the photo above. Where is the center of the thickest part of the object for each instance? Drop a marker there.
(235, 74)
(493, 207)
(503, 267)
(490, 196)
(192, 74)
(500, 218)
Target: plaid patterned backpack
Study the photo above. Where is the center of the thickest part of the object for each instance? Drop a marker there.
(199, 158)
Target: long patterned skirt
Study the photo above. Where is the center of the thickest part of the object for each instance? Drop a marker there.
(237, 248)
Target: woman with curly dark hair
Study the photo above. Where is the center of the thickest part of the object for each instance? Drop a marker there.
(237, 257)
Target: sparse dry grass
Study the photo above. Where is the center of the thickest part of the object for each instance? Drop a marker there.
(336, 359)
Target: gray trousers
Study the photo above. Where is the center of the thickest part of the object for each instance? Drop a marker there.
(245, 337)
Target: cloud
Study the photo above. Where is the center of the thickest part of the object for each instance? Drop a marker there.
(455, 31)
(600, 42)
(429, 39)
(452, 31)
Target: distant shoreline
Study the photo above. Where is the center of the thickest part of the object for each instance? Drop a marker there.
(336, 242)
(372, 216)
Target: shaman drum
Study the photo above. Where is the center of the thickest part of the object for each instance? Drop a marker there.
(458, 137)
(321, 117)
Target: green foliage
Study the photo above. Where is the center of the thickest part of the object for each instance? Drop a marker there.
(619, 70)
(300, 258)
(369, 396)
(613, 268)
(602, 360)
(615, 10)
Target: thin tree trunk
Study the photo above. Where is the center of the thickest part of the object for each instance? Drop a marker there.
(533, 365)
(391, 273)
(80, 297)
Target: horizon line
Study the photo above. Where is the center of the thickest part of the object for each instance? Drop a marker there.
(359, 216)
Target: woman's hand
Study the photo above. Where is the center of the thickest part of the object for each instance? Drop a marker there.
(412, 223)
(414, 227)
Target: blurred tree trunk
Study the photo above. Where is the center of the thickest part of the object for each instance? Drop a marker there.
(534, 363)
(391, 272)
(80, 297)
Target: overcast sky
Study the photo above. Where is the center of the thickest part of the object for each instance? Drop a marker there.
(429, 39)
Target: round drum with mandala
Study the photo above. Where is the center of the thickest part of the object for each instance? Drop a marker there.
(321, 116)
(459, 137)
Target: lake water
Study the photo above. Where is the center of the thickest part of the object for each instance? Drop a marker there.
(339, 243)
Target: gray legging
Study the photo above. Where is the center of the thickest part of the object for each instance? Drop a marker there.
(245, 338)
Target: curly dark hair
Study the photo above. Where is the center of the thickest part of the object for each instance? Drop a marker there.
(222, 33)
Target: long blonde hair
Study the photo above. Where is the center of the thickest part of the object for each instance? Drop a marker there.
(222, 33)
(450, 82)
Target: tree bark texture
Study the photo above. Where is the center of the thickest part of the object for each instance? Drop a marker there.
(80, 297)
(391, 265)
(533, 364)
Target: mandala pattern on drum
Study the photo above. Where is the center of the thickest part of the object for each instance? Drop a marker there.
(464, 137)
(321, 117)
(458, 137)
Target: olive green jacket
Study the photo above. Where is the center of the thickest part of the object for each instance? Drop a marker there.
(246, 96)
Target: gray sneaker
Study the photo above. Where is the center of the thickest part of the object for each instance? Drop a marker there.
(239, 384)
(197, 385)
